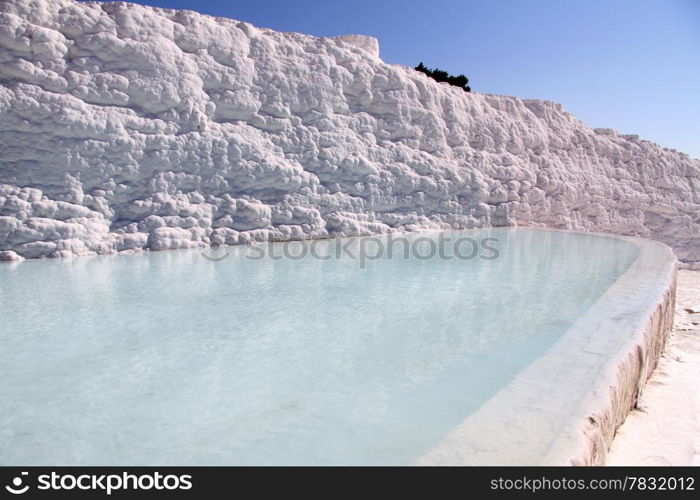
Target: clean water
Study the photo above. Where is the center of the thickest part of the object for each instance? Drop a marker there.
(171, 358)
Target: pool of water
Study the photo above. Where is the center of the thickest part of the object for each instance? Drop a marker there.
(172, 358)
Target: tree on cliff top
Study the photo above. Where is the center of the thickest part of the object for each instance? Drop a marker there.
(439, 75)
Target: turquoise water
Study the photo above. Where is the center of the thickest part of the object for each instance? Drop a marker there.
(169, 358)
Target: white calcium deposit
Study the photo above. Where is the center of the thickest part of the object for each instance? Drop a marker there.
(125, 127)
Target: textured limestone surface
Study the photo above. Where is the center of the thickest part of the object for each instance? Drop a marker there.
(125, 127)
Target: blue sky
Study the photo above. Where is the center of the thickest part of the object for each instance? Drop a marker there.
(632, 65)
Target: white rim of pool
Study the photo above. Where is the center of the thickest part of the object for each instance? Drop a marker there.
(619, 338)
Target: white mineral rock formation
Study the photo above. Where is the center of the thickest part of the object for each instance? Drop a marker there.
(125, 127)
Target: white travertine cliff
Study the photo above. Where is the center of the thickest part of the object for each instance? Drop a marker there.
(125, 127)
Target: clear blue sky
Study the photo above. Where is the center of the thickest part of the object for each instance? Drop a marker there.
(631, 65)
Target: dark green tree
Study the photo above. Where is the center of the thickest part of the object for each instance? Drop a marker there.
(439, 75)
